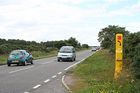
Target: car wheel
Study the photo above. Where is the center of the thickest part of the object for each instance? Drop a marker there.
(24, 63)
(18, 64)
(8, 64)
(74, 59)
(31, 61)
(58, 60)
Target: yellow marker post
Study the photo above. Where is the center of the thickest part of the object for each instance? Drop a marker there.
(119, 55)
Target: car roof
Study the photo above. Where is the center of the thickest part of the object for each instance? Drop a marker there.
(20, 50)
(67, 47)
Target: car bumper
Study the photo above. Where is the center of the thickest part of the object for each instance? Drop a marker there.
(15, 62)
(64, 58)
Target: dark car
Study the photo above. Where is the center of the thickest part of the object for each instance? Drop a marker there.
(19, 57)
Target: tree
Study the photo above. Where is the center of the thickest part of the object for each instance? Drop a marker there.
(107, 36)
(85, 45)
(60, 43)
(131, 45)
(7, 46)
(4, 49)
(136, 62)
(132, 51)
(72, 41)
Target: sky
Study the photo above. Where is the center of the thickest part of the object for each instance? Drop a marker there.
(46, 20)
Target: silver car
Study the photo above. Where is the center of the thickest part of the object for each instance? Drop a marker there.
(66, 53)
(94, 49)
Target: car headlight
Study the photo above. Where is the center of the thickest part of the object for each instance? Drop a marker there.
(59, 55)
(70, 55)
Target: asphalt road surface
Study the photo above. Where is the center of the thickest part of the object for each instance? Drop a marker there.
(42, 77)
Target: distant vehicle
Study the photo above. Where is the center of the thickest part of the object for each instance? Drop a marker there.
(19, 57)
(98, 48)
(94, 49)
(66, 53)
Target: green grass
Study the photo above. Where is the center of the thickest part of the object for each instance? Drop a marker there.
(3, 59)
(39, 54)
(96, 75)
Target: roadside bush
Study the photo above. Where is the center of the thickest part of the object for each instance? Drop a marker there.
(7, 46)
(131, 45)
(136, 62)
(4, 49)
(85, 46)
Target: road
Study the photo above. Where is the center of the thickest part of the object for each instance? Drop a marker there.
(42, 77)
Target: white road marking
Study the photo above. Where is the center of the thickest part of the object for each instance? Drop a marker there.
(26, 92)
(59, 73)
(46, 81)
(37, 86)
(65, 85)
(73, 65)
(54, 76)
(21, 69)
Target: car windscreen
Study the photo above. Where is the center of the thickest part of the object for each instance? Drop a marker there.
(16, 52)
(65, 50)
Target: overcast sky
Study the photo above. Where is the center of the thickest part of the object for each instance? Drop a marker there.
(45, 20)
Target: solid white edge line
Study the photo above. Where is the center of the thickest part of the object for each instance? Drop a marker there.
(77, 63)
(46, 81)
(54, 76)
(65, 85)
(74, 64)
(20, 70)
(59, 73)
(37, 86)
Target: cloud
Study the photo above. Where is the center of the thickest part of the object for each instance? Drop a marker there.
(43, 20)
(126, 10)
(133, 26)
(72, 1)
(120, 12)
(136, 7)
(113, 1)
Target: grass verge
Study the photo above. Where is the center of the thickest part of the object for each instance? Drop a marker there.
(96, 75)
(3, 59)
(40, 55)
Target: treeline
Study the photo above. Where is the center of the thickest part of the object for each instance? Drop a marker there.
(7, 46)
(131, 45)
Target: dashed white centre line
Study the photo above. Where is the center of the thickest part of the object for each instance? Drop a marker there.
(59, 73)
(20, 69)
(54, 76)
(46, 81)
(26, 92)
(37, 86)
